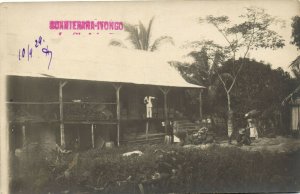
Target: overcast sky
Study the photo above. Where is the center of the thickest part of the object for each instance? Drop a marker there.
(179, 19)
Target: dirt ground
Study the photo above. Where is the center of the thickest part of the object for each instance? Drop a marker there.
(278, 144)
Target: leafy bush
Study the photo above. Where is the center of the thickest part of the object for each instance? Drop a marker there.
(181, 170)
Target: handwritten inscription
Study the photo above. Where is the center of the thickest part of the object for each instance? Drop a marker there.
(27, 53)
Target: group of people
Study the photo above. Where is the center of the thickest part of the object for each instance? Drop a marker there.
(244, 137)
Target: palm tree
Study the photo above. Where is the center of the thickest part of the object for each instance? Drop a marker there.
(295, 68)
(140, 36)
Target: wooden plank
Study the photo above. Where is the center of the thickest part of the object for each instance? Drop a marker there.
(42, 103)
(200, 105)
(165, 92)
(93, 137)
(24, 135)
(144, 141)
(118, 87)
(78, 138)
(90, 103)
(151, 135)
(90, 122)
(31, 103)
(147, 129)
(35, 121)
(61, 115)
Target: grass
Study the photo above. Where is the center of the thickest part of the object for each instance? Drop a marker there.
(216, 169)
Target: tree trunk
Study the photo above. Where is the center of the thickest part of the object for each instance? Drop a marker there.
(229, 118)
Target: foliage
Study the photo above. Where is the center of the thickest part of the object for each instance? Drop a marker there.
(195, 170)
(199, 72)
(296, 31)
(295, 65)
(259, 87)
(262, 88)
(140, 37)
(252, 33)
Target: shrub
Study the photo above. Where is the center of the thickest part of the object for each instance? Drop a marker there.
(215, 169)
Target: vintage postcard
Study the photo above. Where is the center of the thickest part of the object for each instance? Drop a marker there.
(150, 97)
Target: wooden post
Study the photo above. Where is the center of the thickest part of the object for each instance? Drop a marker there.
(78, 138)
(147, 129)
(165, 93)
(61, 114)
(23, 135)
(93, 137)
(200, 105)
(118, 87)
(166, 111)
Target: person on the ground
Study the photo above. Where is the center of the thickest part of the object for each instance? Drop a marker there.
(243, 137)
(203, 136)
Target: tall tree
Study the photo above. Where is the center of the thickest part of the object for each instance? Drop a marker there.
(140, 37)
(260, 87)
(295, 65)
(252, 33)
(296, 31)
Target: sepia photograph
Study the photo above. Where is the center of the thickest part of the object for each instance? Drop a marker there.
(143, 97)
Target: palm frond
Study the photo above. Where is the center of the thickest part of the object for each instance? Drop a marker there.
(118, 43)
(143, 36)
(160, 40)
(291, 95)
(139, 36)
(149, 32)
(296, 63)
(133, 35)
(296, 73)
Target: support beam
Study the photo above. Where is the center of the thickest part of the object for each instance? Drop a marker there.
(118, 87)
(147, 129)
(200, 105)
(93, 137)
(23, 135)
(61, 113)
(165, 92)
(78, 139)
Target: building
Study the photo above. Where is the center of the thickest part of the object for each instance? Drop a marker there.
(293, 100)
(295, 114)
(86, 100)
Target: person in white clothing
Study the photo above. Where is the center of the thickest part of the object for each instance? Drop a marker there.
(149, 105)
(253, 130)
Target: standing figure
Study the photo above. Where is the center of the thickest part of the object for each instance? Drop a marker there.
(253, 129)
(149, 105)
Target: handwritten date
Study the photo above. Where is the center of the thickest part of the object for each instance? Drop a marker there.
(28, 52)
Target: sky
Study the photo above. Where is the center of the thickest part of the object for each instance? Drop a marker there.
(178, 19)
